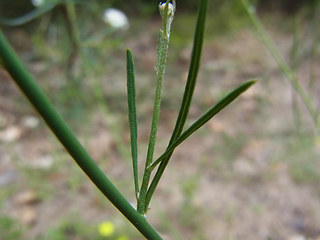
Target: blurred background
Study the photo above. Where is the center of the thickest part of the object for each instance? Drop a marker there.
(251, 173)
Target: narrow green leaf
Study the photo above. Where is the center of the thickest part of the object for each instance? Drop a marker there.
(132, 118)
(188, 92)
(204, 119)
(193, 71)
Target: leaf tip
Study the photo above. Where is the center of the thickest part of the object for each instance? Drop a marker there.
(251, 82)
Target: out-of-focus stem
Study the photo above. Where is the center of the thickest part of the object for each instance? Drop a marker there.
(307, 101)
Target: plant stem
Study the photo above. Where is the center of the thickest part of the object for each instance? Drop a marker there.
(74, 34)
(72, 21)
(283, 65)
(294, 61)
(30, 15)
(113, 124)
(38, 99)
(188, 93)
(163, 44)
(314, 51)
(153, 132)
(70, 16)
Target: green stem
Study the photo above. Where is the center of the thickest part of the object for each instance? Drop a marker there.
(88, 66)
(37, 12)
(188, 93)
(75, 37)
(74, 34)
(283, 65)
(154, 126)
(314, 51)
(163, 44)
(41, 103)
(294, 59)
(72, 21)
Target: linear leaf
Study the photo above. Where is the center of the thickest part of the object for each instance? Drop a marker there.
(193, 72)
(188, 92)
(204, 119)
(132, 118)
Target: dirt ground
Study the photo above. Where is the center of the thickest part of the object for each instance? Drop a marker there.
(240, 177)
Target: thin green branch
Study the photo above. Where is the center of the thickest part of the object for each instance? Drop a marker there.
(37, 12)
(163, 45)
(88, 67)
(314, 50)
(70, 16)
(188, 93)
(29, 87)
(132, 119)
(29, 16)
(72, 20)
(285, 68)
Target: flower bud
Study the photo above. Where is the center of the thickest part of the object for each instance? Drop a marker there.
(162, 8)
(167, 17)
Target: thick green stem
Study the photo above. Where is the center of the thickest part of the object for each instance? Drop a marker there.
(41, 103)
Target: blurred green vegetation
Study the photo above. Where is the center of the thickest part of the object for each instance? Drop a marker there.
(71, 227)
(10, 8)
(303, 161)
(10, 229)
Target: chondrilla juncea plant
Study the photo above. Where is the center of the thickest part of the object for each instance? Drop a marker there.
(145, 190)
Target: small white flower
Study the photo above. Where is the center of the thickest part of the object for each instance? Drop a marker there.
(115, 18)
(37, 3)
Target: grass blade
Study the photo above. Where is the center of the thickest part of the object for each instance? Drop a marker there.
(188, 93)
(204, 119)
(132, 118)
